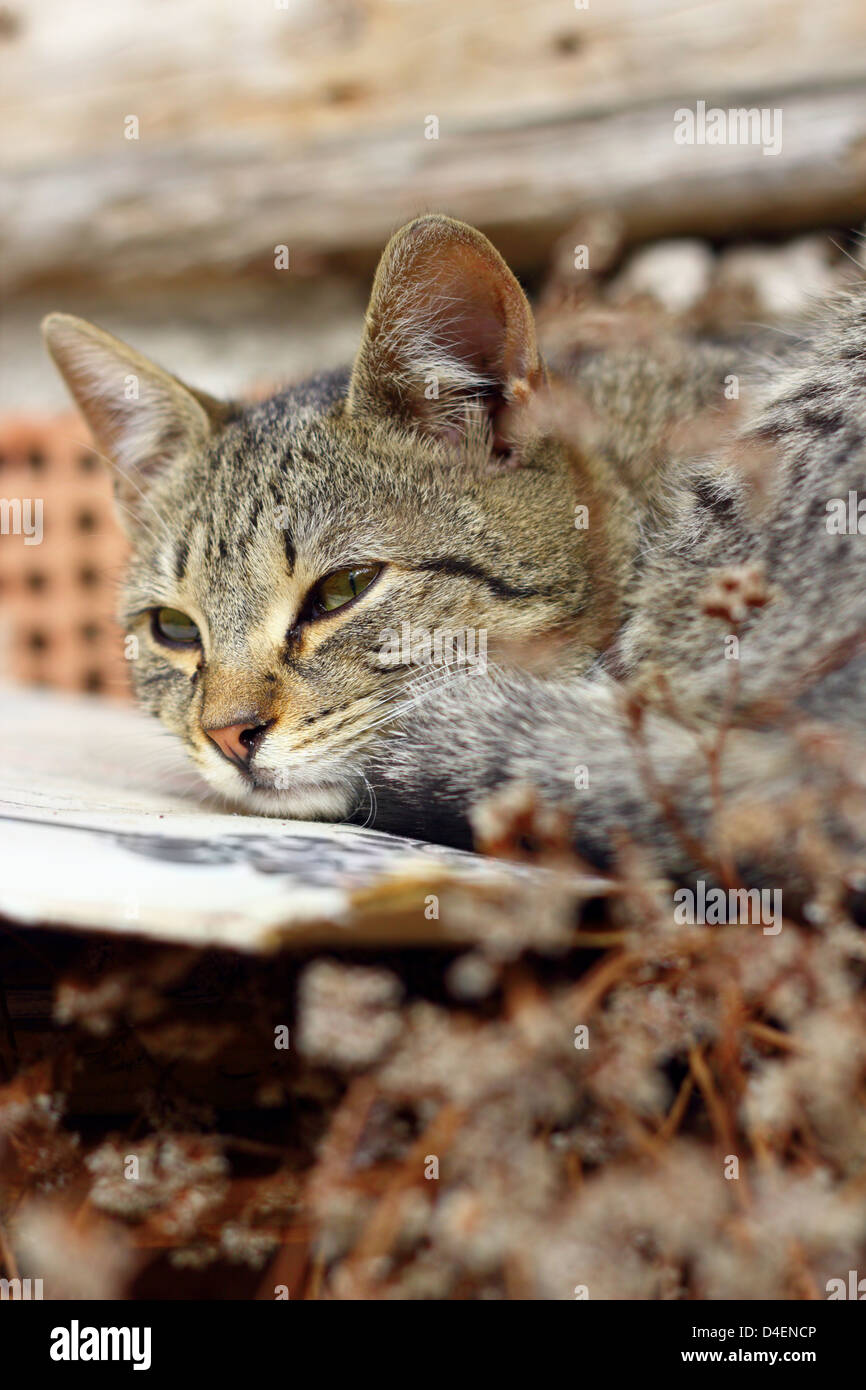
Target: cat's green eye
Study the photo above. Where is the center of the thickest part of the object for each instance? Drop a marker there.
(342, 586)
(175, 627)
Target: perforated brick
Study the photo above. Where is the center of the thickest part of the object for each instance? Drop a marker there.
(57, 597)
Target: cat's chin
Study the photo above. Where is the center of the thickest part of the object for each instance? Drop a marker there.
(329, 792)
(304, 801)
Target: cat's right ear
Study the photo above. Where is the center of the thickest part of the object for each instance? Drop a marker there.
(141, 417)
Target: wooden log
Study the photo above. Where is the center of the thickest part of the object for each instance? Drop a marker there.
(308, 127)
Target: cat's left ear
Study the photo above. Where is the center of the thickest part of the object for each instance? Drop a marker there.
(141, 417)
(449, 331)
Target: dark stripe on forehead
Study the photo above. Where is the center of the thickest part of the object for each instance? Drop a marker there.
(467, 570)
(181, 557)
(289, 547)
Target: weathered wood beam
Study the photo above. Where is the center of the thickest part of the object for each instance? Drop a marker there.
(307, 127)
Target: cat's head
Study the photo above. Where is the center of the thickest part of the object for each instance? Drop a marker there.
(299, 564)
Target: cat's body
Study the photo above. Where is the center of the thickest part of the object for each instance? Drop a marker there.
(446, 480)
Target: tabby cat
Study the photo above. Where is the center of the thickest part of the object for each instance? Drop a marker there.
(618, 574)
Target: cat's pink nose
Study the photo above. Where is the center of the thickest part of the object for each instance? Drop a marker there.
(237, 741)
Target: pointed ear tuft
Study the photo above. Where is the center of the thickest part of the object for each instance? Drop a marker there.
(449, 332)
(141, 417)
